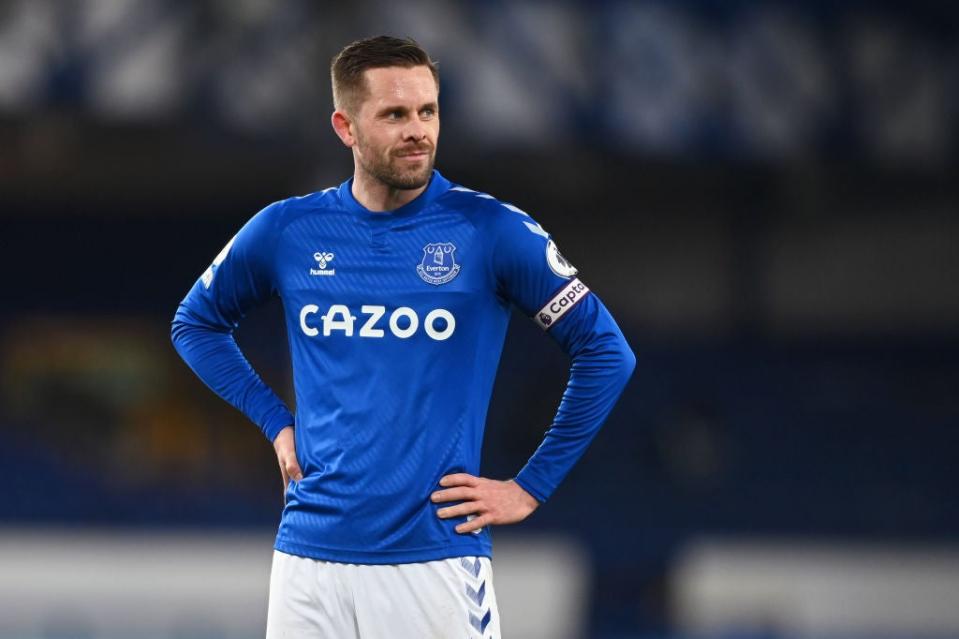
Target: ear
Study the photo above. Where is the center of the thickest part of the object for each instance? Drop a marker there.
(343, 127)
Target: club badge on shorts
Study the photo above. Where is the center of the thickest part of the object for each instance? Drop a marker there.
(439, 263)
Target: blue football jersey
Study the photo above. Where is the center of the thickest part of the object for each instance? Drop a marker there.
(396, 322)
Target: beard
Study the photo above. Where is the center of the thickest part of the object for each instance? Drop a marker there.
(390, 171)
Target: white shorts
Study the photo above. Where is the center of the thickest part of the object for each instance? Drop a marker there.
(444, 599)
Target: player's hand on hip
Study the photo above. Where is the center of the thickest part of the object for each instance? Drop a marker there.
(285, 447)
(490, 500)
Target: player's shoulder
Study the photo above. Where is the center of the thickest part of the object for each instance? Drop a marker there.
(316, 202)
(281, 213)
(487, 211)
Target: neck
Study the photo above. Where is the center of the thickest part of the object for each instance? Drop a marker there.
(378, 197)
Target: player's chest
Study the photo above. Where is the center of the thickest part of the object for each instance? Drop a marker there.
(383, 261)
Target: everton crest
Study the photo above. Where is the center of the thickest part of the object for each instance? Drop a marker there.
(439, 263)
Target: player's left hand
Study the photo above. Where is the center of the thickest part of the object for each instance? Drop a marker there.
(490, 500)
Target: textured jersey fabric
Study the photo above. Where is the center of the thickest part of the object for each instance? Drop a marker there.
(396, 323)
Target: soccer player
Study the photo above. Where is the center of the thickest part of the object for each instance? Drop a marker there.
(396, 288)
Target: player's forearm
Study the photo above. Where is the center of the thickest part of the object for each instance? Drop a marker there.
(602, 363)
(216, 359)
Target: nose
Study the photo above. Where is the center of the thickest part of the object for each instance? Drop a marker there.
(414, 130)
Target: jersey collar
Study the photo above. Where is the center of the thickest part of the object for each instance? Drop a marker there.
(437, 186)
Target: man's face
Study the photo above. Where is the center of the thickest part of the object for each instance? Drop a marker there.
(397, 125)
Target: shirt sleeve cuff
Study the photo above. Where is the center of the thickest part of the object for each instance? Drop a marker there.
(275, 422)
(539, 489)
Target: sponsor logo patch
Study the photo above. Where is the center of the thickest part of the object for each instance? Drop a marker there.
(371, 321)
(559, 305)
(439, 263)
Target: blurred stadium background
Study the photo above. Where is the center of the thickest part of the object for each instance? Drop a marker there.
(765, 195)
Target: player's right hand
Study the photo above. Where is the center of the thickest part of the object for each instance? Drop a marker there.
(285, 447)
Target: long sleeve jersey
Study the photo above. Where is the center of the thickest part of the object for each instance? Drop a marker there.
(396, 321)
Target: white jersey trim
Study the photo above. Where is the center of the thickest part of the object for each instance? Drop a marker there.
(559, 304)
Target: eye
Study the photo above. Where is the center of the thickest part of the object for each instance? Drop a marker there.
(428, 112)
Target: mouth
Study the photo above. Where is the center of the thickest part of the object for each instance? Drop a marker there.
(414, 155)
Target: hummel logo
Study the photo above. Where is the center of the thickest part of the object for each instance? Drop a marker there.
(322, 258)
